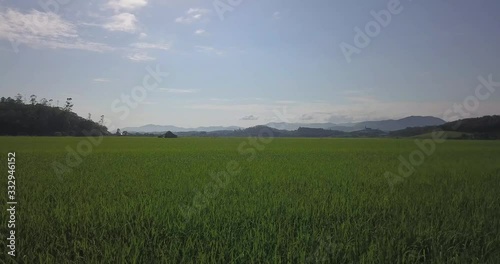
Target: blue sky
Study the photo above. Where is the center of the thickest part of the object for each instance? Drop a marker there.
(256, 62)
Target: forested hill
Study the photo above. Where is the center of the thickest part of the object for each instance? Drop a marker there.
(42, 119)
(486, 127)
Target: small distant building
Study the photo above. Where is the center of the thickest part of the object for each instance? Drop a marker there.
(169, 134)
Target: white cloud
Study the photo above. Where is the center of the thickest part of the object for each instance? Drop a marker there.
(178, 91)
(201, 32)
(43, 30)
(209, 50)
(349, 111)
(101, 80)
(193, 15)
(277, 15)
(36, 23)
(144, 45)
(125, 22)
(230, 107)
(140, 56)
(127, 5)
(77, 44)
(143, 35)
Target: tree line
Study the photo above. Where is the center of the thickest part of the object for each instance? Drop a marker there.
(31, 117)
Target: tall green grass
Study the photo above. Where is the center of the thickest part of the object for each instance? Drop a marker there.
(297, 201)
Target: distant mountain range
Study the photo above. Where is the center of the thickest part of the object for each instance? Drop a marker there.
(393, 125)
(383, 125)
(158, 128)
(486, 127)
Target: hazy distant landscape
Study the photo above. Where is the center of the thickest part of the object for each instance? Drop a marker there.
(42, 119)
(256, 194)
(384, 125)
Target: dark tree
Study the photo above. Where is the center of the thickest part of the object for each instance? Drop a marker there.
(101, 121)
(33, 99)
(17, 118)
(43, 101)
(69, 105)
(19, 98)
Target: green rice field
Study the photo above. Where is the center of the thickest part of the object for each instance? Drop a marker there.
(241, 200)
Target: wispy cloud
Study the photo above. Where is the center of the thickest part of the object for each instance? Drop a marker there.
(124, 22)
(43, 30)
(144, 45)
(193, 15)
(140, 57)
(201, 32)
(230, 107)
(209, 50)
(178, 91)
(36, 23)
(355, 110)
(127, 5)
(101, 80)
